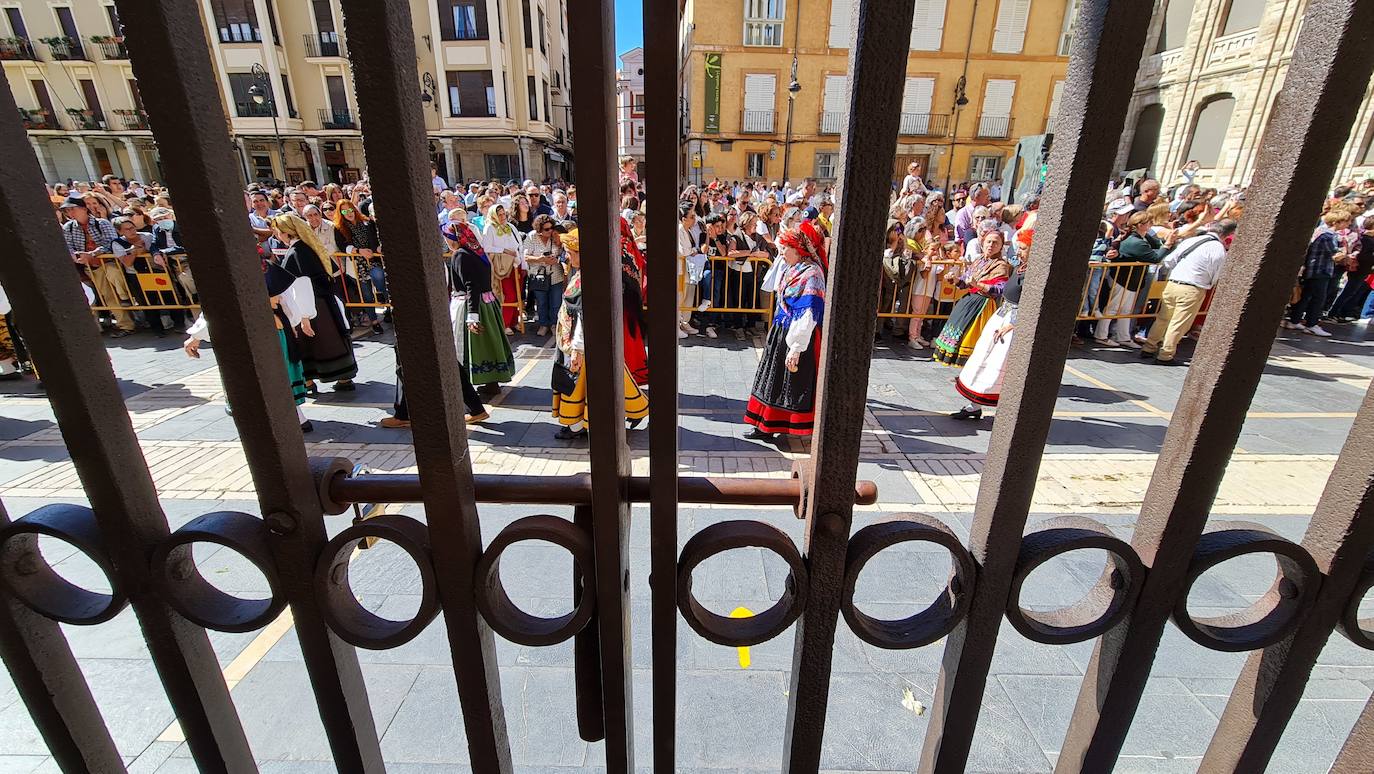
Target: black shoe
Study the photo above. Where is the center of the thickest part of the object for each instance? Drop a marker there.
(564, 434)
(307, 427)
(312, 389)
(633, 424)
(758, 435)
(12, 376)
(966, 413)
(386, 316)
(345, 386)
(376, 329)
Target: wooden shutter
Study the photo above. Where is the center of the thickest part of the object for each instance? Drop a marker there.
(928, 25)
(1055, 96)
(759, 91)
(841, 16)
(917, 95)
(997, 97)
(1010, 34)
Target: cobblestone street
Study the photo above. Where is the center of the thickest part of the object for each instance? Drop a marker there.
(1109, 423)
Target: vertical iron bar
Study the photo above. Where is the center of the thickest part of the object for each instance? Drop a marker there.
(1272, 682)
(382, 53)
(591, 724)
(661, 48)
(1106, 54)
(53, 688)
(80, 382)
(592, 63)
(877, 60)
(1297, 160)
(171, 60)
(1358, 750)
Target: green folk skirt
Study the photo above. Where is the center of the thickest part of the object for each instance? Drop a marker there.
(489, 357)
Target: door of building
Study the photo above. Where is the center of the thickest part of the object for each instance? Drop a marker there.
(903, 160)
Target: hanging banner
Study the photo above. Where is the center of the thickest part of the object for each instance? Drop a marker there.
(712, 93)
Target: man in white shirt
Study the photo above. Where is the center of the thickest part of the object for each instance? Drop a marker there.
(1193, 267)
(438, 182)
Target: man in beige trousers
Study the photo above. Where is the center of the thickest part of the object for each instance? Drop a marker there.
(1193, 269)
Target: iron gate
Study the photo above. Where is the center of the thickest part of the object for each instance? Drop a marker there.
(1318, 588)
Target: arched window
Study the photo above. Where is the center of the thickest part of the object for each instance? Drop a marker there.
(1145, 142)
(1209, 131)
(1174, 31)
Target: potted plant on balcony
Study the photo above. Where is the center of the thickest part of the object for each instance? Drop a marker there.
(104, 39)
(84, 118)
(12, 48)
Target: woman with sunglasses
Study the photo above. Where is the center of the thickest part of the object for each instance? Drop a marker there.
(355, 233)
(544, 256)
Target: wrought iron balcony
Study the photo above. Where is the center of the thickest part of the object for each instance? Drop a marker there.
(996, 127)
(757, 121)
(16, 48)
(112, 48)
(324, 44)
(65, 49)
(924, 124)
(87, 119)
(331, 118)
(38, 119)
(131, 120)
(251, 109)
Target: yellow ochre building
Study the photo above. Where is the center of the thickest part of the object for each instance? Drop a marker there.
(980, 75)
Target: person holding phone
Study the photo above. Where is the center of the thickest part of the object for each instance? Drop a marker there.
(544, 256)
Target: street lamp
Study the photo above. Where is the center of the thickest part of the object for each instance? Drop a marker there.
(960, 100)
(261, 92)
(429, 87)
(792, 89)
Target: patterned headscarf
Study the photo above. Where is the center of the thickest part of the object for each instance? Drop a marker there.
(501, 230)
(807, 240)
(467, 239)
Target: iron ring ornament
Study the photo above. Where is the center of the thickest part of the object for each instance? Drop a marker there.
(930, 624)
(740, 632)
(502, 614)
(347, 617)
(1101, 608)
(1274, 615)
(180, 582)
(33, 581)
(1356, 629)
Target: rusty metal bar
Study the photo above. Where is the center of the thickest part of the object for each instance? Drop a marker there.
(591, 721)
(1106, 53)
(383, 58)
(1358, 750)
(171, 60)
(592, 76)
(80, 382)
(1339, 538)
(53, 688)
(661, 48)
(577, 489)
(1296, 163)
(877, 60)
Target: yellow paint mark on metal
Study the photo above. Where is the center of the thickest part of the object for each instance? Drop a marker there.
(743, 612)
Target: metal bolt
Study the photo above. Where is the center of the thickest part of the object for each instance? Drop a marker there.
(956, 586)
(1288, 589)
(281, 522)
(1117, 580)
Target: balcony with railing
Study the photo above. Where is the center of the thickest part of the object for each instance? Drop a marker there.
(323, 45)
(111, 47)
(131, 120)
(38, 118)
(832, 121)
(83, 119)
(251, 109)
(336, 118)
(924, 124)
(757, 121)
(16, 49)
(65, 49)
(994, 127)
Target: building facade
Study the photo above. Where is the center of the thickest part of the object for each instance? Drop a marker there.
(629, 104)
(1208, 85)
(492, 76)
(979, 76)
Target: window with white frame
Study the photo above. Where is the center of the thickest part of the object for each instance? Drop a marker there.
(1009, 35)
(757, 164)
(827, 162)
(1056, 94)
(995, 120)
(984, 168)
(928, 25)
(1070, 19)
(763, 22)
(841, 12)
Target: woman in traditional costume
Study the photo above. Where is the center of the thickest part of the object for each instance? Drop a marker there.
(488, 354)
(632, 310)
(984, 278)
(783, 399)
(290, 311)
(326, 356)
(569, 367)
(980, 381)
(502, 244)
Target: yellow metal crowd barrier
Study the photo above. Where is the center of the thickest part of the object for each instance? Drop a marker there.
(355, 272)
(153, 283)
(732, 289)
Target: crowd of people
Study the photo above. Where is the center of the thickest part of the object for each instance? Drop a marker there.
(512, 256)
